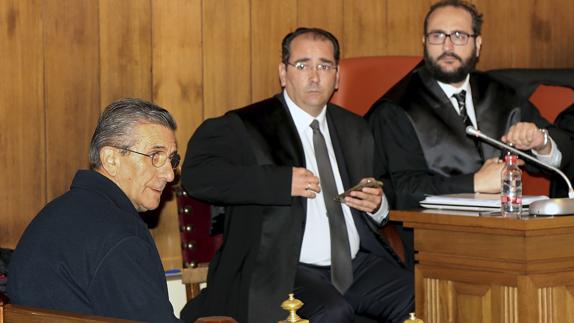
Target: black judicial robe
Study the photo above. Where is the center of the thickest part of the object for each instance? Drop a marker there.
(244, 160)
(422, 143)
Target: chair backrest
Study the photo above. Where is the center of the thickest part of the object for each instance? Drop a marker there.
(195, 220)
(197, 245)
(363, 80)
(550, 100)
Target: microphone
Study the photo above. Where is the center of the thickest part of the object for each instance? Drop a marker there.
(557, 206)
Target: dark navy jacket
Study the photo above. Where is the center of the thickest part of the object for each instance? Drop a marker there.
(89, 252)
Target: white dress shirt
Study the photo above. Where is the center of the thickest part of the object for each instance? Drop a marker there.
(316, 247)
(553, 158)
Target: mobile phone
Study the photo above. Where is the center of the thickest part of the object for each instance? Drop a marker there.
(369, 182)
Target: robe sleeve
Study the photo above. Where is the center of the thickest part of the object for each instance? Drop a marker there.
(220, 167)
(397, 142)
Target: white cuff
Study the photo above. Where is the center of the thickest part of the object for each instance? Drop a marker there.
(554, 158)
(382, 212)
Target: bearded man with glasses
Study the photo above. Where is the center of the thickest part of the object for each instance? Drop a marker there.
(420, 125)
(89, 251)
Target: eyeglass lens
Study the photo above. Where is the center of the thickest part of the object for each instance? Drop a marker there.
(456, 37)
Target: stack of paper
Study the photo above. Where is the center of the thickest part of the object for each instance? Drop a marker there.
(472, 202)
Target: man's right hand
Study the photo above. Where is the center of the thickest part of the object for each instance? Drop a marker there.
(487, 179)
(304, 183)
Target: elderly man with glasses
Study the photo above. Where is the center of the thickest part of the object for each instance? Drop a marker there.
(279, 166)
(420, 125)
(88, 251)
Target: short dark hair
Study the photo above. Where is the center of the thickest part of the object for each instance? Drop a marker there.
(316, 33)
(116, 123)
(469, 7)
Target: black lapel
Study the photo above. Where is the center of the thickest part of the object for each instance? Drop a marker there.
(340, 146)
(440, 104)
(494, 108)
(272, 131)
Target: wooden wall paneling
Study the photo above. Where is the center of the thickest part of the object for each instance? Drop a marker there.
(326, 14)
(506, 38)
(226, 55)
(71, 47)
(23, 171)
(270, 22)
(365, 31)
(540, 31)
(177, 86)
(550, 34)
(404, 28)
(561, 45)
(125, 49)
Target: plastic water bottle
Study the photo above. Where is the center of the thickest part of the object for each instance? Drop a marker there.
(511, 194)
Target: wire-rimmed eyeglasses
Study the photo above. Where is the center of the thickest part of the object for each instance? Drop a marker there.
(306, 67)
(159, 158)
(458, 38)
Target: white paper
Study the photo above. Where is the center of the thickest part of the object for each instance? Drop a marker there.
(472, 201)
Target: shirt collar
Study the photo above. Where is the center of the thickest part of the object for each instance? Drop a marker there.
(449, 89)
(301, 118)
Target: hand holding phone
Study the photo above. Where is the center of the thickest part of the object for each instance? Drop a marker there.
(365, 182)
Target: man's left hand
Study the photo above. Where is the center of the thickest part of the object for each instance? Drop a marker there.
(525, 136)
(367, 200)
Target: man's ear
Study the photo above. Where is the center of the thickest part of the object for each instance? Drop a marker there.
(109, 156)
(282, 74)
(337, 79)
(478, 45)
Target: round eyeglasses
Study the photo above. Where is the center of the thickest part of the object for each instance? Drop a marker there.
(458, 38)
(159, 158)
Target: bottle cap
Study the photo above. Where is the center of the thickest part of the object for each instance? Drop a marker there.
(510, 158)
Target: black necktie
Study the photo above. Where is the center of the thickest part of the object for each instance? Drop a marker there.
(341, 267)
(461, 100)
(463, 115)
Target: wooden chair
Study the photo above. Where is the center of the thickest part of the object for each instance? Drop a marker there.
(362, 81)
(193, 278)
(197, 244)
(22, 314)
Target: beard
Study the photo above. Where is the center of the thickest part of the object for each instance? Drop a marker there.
(458, 75)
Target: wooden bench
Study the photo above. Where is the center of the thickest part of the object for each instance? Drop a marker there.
(10, 313)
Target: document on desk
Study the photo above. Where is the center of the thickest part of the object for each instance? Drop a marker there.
(472, 201)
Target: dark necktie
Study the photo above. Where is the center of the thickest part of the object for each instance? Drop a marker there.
(461, 100)
(463, 115)
(341, 267)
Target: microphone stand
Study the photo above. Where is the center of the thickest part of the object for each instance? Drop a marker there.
(556, 206)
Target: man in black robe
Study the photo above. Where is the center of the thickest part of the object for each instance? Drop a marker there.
(419, 126)
(263, 162)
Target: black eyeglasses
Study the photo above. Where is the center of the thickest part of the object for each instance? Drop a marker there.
(458, 38)
(305, 67)
(159, 158)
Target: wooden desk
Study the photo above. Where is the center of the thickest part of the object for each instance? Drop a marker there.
(492, 269)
